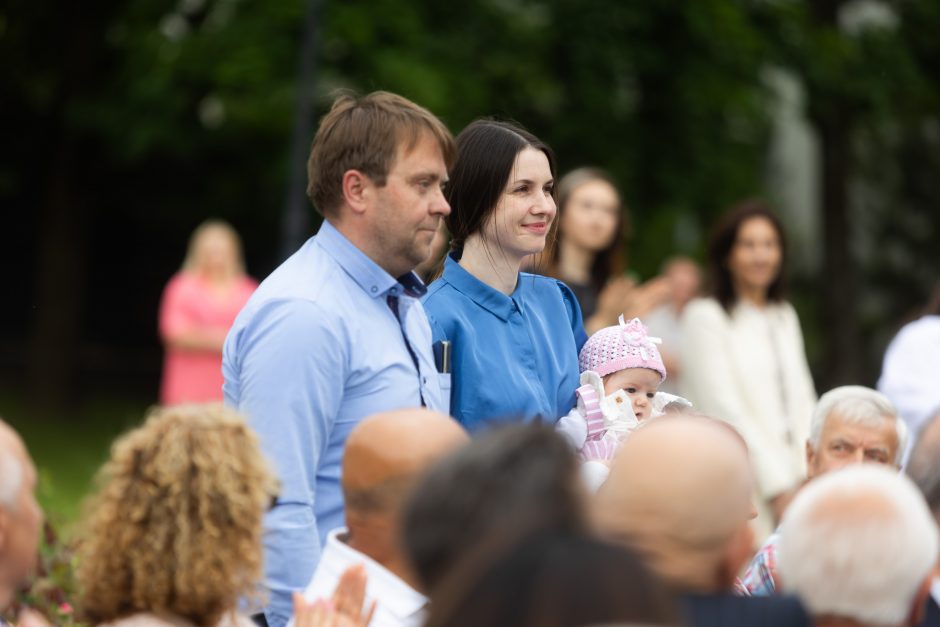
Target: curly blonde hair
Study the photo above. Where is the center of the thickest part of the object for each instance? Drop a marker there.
(175, 527)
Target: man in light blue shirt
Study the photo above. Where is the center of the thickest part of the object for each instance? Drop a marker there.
(337, 332)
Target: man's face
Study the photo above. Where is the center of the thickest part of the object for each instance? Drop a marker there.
(843, 443)
(22, 523)
(408, 209)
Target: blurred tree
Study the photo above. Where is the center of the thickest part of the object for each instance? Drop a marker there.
(668, 96)
(137, 120)
(900, 159)
(857, 66)
(137, 124)
(47, 166)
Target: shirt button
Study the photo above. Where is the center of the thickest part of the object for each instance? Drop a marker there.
(374, 289)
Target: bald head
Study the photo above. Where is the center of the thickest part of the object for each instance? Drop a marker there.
(385, 452)
(680, 491)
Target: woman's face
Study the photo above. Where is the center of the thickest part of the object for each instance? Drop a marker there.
(590, 218)
(525, 211)
(216, 253)
(755, 258)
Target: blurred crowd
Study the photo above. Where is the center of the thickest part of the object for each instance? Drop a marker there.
(454, 406)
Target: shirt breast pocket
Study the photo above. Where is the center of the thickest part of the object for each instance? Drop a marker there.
(444, 381)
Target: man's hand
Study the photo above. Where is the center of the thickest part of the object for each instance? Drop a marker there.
(343, 610)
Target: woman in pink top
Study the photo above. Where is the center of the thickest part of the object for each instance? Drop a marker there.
(198, 307)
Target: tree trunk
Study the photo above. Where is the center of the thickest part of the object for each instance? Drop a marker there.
(56, 333)
(55, 340)
(842, 358)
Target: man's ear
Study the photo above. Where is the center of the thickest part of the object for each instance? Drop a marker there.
(357, 190)
(4, 527)
(735, 556)
(810, 455)
(919, 610)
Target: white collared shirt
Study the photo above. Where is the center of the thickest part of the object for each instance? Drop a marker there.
(397, 603)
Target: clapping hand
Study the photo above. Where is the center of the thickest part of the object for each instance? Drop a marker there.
(344, 609)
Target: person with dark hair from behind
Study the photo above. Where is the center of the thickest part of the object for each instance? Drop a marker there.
(923, 468)
(506, 483)
(680, 492)
(552, 580)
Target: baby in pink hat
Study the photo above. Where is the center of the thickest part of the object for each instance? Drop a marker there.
(621, 371)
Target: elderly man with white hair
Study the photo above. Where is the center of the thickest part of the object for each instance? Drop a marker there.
(851, 424)
(858, 547)
(20, 518)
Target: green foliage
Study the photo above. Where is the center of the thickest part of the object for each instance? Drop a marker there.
(54, 588)
(181, 111)
(68, 447)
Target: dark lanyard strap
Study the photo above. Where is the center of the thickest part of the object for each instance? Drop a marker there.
(393, 305)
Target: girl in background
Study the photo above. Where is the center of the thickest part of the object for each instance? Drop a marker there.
(743, 353)
(198, 307)
(588, 255)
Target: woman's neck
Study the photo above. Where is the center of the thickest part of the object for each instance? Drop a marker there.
(492, 265)
(219, 280)
(574, 262)
(750, 294)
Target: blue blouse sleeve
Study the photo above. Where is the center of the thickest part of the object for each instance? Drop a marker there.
(574, 314)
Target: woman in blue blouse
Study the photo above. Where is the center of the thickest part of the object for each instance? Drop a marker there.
(515, 336)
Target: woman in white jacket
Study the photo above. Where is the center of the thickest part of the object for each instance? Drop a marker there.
(743, 351)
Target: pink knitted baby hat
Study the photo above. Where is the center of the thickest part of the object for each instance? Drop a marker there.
(623, 346)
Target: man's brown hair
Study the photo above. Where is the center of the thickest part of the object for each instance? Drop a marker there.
(364, 134)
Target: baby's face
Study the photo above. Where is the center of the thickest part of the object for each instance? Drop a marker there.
(640, 384)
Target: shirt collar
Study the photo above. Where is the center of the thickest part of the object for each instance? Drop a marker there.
(391, 592)
(411, 285)
(479, 292)
(373, 280)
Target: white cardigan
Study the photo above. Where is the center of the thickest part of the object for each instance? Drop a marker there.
(749, 369)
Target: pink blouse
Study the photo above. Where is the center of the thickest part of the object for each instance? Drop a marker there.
(189, 303)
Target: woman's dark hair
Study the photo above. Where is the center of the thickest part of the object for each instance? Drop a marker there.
(509, 481)
(723, 239)
(486, 152)
(610, 261)
(552, 580)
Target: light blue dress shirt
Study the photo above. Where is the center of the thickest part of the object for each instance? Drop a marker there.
(515, 358)
(315, 350)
